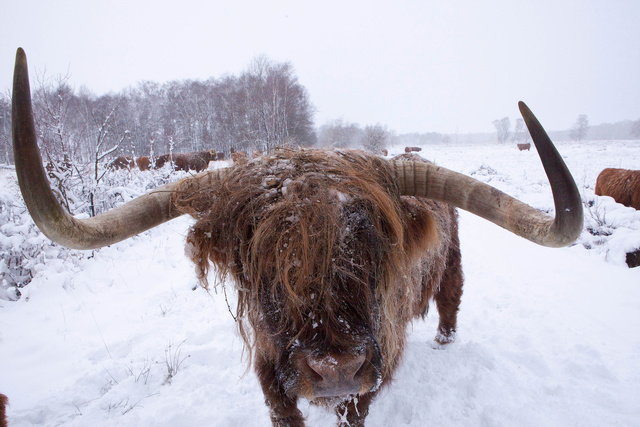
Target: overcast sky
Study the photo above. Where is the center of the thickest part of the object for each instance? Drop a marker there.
(446, 66)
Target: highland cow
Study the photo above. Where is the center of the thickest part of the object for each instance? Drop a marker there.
(331, 252)
(523, 147)
(122, 162)
(412, 149)
(144, 163)
(621, 184)
(3, 410)
(196, 161)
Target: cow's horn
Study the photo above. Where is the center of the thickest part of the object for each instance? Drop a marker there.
(434, 182)
(53, 220)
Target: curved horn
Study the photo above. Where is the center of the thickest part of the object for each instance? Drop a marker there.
(53, 220)
(431, 181)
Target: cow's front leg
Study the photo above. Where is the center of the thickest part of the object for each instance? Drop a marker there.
(352, 412)
(283, 409)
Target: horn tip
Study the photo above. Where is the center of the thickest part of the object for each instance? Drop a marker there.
(21, 60)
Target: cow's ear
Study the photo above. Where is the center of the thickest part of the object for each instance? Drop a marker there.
(420, 228)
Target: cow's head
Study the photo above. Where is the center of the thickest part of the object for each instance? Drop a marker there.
(311, 238)
(304, 252)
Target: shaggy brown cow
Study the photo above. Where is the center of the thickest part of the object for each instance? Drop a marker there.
(144, 163)
(621, 184)
(333, 252)
(197, 160)
(122, 162)
(412, 149)
(3, 410)
(523, 147)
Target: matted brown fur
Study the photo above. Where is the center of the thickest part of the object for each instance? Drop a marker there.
(144, 163)
(3, 413)
(621, 184)
(323, 251)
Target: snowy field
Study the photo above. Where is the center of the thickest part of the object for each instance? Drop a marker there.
(546, 337)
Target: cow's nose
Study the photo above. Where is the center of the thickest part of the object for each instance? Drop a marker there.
(336, 374)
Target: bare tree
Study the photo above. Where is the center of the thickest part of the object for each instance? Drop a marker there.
(519, 132)
(6, 152)
(107, 132)
(502, 129)
(580, 128)
(375, 138)
(278, 107)
(55, 107)
(145, 111)
(339, 133)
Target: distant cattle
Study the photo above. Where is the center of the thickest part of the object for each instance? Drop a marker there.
(122, 162)
(621, 184)
(385, 152)
(523, 147)
(144, 163)
(197, 160)
(411, 149)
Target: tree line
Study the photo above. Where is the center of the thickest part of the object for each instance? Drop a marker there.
(261, 108)
(578, 131)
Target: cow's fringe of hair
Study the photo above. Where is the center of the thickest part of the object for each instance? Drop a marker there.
(277, 225)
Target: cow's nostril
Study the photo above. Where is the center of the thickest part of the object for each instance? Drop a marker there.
(336, 369)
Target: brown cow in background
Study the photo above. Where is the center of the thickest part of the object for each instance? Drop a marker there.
(3, 410)
(197, 160)
(412, 149)
(621, 184)
(144, 163)
(523, 147)
(122, 162)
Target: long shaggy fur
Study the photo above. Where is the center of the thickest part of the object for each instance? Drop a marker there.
(323, 251)
(621, 184)
(3, 413)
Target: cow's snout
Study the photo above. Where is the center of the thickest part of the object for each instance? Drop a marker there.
(335, 374)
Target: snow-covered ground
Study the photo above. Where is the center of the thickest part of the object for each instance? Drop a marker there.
(547, 337)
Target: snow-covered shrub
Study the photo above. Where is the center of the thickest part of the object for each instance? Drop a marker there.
(24, 249)
(611, 229)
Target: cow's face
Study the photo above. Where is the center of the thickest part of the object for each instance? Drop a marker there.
(334, 352)
(319, 325)
(320, 264)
